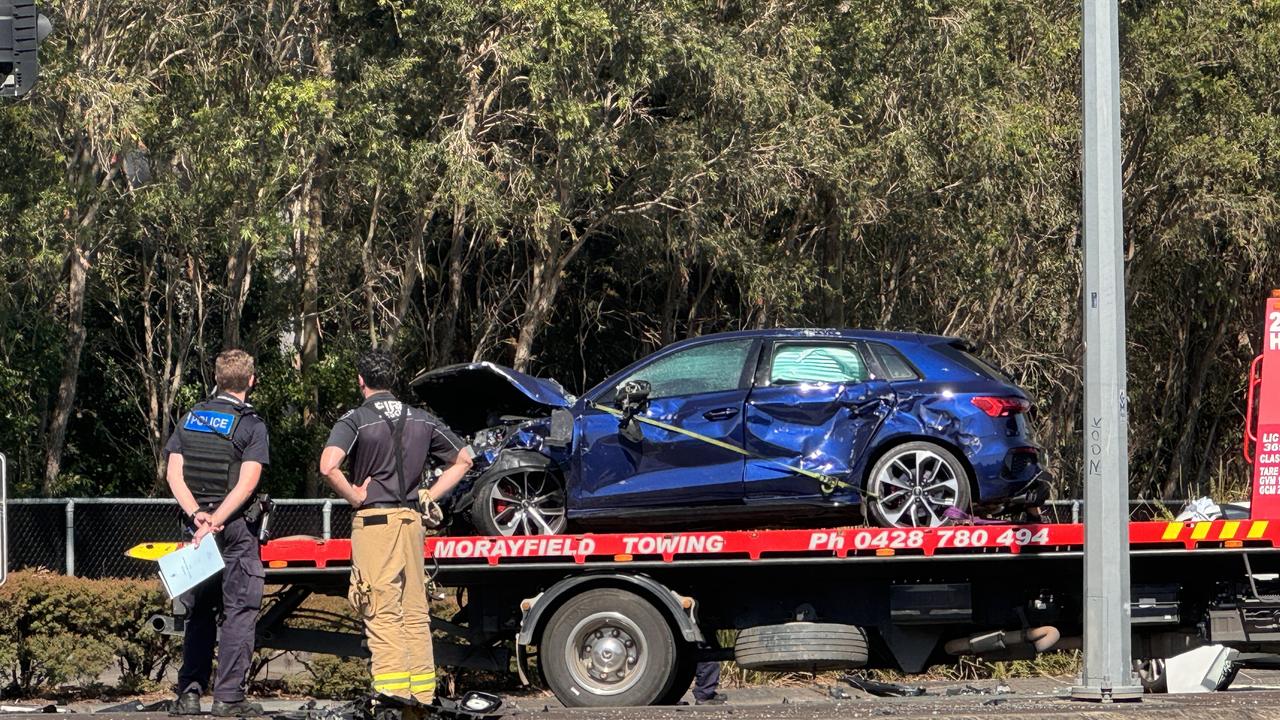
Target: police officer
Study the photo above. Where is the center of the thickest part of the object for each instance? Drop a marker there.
(390, 445)
(215, 459)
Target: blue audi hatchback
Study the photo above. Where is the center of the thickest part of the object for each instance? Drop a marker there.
(768, 428)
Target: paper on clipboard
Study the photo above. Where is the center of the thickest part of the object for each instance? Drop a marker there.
(189, 565)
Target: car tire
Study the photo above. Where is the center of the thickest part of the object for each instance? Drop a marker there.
(1150, 672)
(913, 485)
(519, 501)
(801, 647)
(608, 648)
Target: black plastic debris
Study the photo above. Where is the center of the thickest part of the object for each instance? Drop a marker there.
(881, 689)
(133, 706)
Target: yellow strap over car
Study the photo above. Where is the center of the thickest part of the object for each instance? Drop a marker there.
(827, 483)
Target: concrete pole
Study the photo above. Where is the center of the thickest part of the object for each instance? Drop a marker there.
(71, 538)
(1108, 665)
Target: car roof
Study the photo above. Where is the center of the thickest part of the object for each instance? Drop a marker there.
(819, 333)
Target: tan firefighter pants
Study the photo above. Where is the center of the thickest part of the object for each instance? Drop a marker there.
(389, 591)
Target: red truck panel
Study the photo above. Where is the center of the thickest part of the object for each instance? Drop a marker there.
(756, 544)
(1265, 432)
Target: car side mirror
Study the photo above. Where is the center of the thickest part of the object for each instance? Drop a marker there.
(631, 397)
(633, 394)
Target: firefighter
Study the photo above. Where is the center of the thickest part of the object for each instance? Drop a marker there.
(390, 445)
(215, 459)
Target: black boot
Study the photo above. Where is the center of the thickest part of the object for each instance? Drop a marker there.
(239, 708)
(187, 703)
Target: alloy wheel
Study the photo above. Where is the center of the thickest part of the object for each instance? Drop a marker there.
(529, 502)
(915, 488)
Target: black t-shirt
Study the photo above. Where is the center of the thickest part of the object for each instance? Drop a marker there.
(249, 438)
(368, 440)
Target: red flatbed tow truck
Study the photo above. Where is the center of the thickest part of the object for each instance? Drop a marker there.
(622, 618)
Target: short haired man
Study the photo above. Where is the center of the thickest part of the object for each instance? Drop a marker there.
(390, 445)
(215, 460)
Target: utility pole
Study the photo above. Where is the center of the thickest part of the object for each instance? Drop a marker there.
(1108, 665)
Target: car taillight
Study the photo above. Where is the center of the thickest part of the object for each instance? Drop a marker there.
(1001, 406)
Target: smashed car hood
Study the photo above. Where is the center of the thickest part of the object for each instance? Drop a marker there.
(472, 396)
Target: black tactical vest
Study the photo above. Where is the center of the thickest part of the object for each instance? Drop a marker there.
(210, 460)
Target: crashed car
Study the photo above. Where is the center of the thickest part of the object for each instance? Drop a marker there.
(765, 428)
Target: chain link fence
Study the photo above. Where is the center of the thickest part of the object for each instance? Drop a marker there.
(87, 537)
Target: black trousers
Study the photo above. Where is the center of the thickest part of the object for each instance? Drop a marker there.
(230, 599)
(706, 680)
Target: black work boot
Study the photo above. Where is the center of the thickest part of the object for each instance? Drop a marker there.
(187, 703)
(239, 708)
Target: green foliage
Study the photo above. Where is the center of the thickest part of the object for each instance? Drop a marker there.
(55, 629)
(566, 185)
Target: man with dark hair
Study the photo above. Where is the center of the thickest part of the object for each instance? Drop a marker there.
(391, 445)
(215, 460)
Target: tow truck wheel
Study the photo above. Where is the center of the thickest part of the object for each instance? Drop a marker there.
(914, 484)
(682, 676)
(801, 647)
(519, 501)
(608, 648)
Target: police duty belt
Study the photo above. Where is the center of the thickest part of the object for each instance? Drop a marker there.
(826, 483)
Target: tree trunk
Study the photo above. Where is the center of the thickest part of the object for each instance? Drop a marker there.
(77, 271)
(239, 278)
(371, 272)
(453, 305)
(833, 312)
(408, 281)
(314, 192)
(309, 335)
(543, 286)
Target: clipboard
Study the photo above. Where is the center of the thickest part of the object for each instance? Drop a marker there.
(189, 566)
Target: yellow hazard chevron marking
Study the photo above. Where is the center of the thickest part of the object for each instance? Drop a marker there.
(1201, 530)
(152, 550)
(1256, 531)
(1229, 529)
(1171, 531)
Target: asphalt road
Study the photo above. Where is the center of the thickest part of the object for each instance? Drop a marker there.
(1253, 698)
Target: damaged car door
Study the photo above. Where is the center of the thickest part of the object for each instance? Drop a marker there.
(700, 389)
(815, 406)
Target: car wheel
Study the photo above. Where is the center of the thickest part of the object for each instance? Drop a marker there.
(801, 647)
(914, 484)
(520, 501)
(1150, 672)
(608, 648)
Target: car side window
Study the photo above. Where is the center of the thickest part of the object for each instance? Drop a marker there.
(816, 363)
(714, 367)
(896, 367)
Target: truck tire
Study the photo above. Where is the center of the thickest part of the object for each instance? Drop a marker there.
(608, 648)
(682, 676)
(801, 646)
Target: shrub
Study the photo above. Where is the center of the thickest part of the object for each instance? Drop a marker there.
(55, 629)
